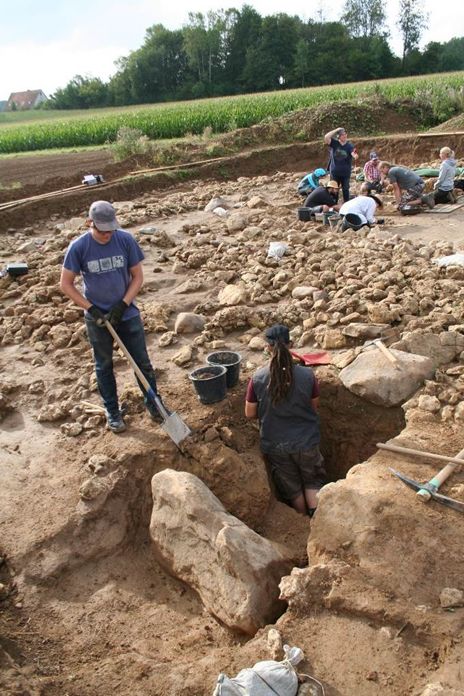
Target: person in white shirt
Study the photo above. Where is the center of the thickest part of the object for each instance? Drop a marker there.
(361, 210)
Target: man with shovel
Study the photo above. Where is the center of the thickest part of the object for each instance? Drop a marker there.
(110, 263)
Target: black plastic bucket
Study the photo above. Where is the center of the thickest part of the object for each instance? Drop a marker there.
(210, 383)
(231, 362)
(353, 222)
(304, 214)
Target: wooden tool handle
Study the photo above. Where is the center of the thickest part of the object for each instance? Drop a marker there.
(158, 403)
(129, 357)
(388, 354)
(459, 459)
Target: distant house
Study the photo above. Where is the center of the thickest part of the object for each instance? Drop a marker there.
(3, 105)
(26, 100)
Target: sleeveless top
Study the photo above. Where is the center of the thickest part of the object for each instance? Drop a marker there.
(291, 424)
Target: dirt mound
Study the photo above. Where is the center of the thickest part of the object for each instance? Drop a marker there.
(453, 124)
(363, 116)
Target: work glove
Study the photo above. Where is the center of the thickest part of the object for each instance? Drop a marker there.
(97, 315)
(114, 316)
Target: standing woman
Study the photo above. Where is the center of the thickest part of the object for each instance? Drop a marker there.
(342, 153)
(285, 398)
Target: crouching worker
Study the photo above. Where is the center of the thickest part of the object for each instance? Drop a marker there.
(284, 397)
(444, 185)
(310, 182)
(110, 263)
(408, 187)
(360, 211)
(323, 198)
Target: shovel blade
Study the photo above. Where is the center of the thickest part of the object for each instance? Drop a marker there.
(175, 427)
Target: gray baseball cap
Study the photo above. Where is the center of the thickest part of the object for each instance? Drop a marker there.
(103, 215)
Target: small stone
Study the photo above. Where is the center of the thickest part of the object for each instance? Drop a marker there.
(429, 403)
(167, 339)
(257, 343)
(92, 488)
(275, 644)
(302, 291)
(72, 429)
(183, 357)
(451, 597)
(189, 322)
(211, 434)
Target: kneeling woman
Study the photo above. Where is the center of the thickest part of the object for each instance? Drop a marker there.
(285, 397)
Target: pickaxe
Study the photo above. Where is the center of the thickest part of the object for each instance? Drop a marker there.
(426, 491)
(377, 343)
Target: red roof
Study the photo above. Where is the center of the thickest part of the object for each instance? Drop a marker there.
(25, 99)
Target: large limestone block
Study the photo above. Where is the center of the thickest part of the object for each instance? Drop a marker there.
(376, 379)
(234, 570)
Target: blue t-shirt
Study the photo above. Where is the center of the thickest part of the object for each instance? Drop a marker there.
(105, 268)
(340, 158)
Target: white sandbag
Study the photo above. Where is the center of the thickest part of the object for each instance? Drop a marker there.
(266, 678)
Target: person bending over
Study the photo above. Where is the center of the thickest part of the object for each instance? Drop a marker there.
(110, 263)
(311, 181)
(323, 199)
(285, 398)
(361, 210)
(408, 187)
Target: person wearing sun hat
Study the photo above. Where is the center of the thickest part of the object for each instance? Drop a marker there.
(110, 263)
(285, 398)
(323, 198)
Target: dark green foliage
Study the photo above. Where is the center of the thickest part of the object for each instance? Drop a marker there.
(232, 51)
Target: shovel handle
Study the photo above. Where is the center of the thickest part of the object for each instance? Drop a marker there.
(137, 370)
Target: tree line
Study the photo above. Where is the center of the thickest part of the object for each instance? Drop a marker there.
(236, 51)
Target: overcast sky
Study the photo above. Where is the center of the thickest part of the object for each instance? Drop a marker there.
(44, 43)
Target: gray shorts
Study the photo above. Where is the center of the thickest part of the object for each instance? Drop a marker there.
(295, 471)
(413, 193)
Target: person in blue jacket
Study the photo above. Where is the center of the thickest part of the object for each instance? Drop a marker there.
(341, 156)
(310, 182)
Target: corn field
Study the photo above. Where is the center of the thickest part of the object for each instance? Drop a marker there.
(444, 93)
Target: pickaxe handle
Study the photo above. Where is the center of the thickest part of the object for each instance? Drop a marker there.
(435, 482)
(388, 354)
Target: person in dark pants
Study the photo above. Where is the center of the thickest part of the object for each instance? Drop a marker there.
(444, 185)
(323, 198)
(285, 398)
(110, 263)
(341, 156)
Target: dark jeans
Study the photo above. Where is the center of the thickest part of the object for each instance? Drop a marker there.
(344, 182)
(132, 335)
(442, 196)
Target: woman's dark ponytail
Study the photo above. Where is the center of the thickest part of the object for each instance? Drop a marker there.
(280, 372)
